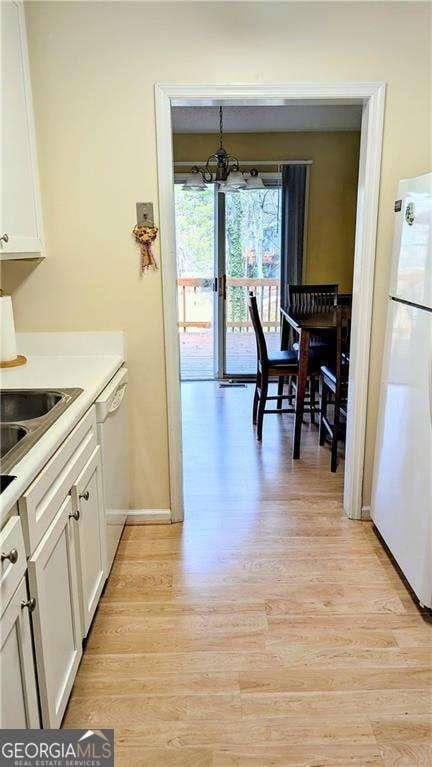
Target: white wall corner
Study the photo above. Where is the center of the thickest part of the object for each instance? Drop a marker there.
(366, 512)
(149, 517)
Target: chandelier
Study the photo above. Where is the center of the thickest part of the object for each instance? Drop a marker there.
(226, 174)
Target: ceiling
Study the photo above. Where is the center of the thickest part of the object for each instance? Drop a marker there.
(263, 119)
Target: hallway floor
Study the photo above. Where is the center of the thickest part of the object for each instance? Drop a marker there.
(268, 629)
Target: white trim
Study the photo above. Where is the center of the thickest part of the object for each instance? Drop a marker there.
(372, 96)
(363, 285)
(267, 95)
(169, 285)
(148, 517)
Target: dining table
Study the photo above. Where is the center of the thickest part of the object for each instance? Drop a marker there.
(306, 325)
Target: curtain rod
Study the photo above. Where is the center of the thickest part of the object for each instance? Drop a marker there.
(248, 162)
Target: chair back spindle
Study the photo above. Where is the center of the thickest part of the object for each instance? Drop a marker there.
(307, 299)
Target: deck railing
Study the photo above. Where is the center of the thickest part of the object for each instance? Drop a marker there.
(266, 289)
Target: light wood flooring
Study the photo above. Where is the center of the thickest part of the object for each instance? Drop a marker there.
(268, 629)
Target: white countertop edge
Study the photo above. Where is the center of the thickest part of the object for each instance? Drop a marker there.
(90, 373)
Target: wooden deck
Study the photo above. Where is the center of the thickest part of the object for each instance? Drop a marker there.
(268, 630)
(196, 353)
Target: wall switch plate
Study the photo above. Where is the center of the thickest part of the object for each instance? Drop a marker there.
(145, 215)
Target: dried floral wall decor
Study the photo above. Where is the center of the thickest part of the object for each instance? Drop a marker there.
(145, 237)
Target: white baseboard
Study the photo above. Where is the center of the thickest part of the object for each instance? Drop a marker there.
(366, 512)
(149, 517)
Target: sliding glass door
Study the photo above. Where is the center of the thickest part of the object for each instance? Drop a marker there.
(252, 263)
(195, 251)
(227, 244)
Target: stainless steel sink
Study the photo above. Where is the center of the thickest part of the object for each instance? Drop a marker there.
(25, 415)
(27, 404)
(11, 435)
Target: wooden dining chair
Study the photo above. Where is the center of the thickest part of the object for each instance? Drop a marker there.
(334, 385)
(344, 299)
(307, 299)
(283, 364)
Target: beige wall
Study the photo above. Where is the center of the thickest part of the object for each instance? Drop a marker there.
(332, 191)
(93, 68)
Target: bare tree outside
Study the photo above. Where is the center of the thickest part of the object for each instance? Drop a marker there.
(252, 248)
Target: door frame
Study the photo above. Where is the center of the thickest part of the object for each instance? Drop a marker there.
(372, 97)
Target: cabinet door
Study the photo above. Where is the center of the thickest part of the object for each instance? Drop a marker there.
(20, 207)
(56, 620)
(19, 706)
(90, 537)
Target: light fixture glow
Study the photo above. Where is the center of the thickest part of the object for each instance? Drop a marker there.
(227, 172)
(254, 181)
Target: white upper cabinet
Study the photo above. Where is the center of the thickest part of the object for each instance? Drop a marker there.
(20, 216)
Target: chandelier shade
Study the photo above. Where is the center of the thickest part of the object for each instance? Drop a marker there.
(194, 181)
(226, 174)
(254, 181)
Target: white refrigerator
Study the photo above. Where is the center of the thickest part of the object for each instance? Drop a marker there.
(401, 505)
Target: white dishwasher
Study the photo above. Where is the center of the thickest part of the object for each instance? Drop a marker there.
(112, 425)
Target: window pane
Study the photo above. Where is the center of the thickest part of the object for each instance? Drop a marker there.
(252, 225)
(194, 220)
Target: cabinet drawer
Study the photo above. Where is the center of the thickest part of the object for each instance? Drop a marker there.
(40, 503)
(13, 559)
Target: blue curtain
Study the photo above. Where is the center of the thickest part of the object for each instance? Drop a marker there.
(294, 179)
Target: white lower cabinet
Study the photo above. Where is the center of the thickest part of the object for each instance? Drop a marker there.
(56, 617)
(90, 537)
(61, 527)
(19, 704)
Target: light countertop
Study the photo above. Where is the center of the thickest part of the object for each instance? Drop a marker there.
(88, 371)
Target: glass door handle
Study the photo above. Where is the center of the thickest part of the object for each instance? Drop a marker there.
(219, 286)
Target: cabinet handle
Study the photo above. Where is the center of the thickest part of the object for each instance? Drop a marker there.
(84, 496)
(75, 515)
(11, 555)
(30, 603)
(4, 238)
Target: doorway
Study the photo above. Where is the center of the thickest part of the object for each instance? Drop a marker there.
(371, 98)
(227, 244)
